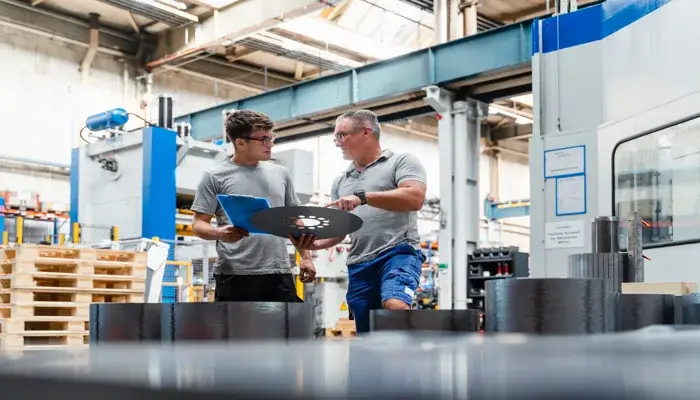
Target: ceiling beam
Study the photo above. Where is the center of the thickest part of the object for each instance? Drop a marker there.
(227, 26)
(511, 132)
(51, 23)
(299, 71)
(233, 54)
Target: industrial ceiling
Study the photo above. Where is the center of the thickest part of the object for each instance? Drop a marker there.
(264, 44)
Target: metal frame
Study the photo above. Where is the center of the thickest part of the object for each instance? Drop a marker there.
(459, 133)
(509, 47)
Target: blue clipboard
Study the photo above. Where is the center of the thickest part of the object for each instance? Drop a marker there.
(240, 208)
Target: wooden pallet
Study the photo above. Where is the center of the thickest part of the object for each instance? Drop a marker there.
(32, 252)
(46, 292)
(343, 329)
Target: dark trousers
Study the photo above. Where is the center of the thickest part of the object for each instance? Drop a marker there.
(269, 287)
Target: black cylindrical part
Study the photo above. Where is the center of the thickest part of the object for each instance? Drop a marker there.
(169, 108)
(425, 320)
(607, 266)
(165, 112)
(636, 311)
(222, 321)
(604, 235)
(125, 322)
(180, 129)
(161, 111)
(187, 129)
(548, 306)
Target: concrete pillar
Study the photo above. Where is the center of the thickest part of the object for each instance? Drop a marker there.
(469, 21)
(441, 11)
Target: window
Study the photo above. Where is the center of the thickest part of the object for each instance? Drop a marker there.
(658, 175)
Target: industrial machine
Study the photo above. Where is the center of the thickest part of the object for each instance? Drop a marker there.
(144, 181)
(616, 132)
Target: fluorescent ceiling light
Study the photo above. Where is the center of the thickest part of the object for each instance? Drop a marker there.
(218, 3)
(335, 35)
(174, 3)
(293, 45)
(155, 10)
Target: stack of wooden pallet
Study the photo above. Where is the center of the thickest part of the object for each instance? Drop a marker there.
(46, 292)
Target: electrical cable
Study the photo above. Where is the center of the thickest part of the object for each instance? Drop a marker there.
(142, 119)
(81, 135)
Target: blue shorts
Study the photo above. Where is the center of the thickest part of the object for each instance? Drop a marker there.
(394, 274)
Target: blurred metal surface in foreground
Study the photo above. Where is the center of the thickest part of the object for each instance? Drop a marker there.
(654, 363)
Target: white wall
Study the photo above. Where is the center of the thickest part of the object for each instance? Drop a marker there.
(42, 110)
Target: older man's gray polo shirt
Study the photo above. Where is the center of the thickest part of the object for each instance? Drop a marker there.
(381, 229)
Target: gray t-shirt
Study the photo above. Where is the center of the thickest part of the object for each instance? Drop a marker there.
(381, 229)
(255, 254)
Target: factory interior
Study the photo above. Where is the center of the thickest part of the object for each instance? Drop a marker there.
(556, 229)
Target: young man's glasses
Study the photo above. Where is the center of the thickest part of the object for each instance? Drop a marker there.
(264, 140)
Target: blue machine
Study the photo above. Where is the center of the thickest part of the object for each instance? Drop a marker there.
(137, 193)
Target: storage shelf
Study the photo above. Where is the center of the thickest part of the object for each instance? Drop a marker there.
(493, 261)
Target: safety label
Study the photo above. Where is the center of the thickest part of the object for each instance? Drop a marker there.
(564, 234)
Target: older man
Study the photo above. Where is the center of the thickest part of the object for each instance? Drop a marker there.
(386, 190)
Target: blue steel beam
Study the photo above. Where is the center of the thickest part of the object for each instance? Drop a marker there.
(494, 210)
(493, 51)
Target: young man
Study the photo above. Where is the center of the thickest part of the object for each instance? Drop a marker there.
(248, 268)
(386, 190)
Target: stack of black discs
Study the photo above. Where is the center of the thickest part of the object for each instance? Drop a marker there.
(125, 322)
(636, 311)
(691, 309)
(607, 266)
(549, 306)
(425, 320)
(221, 321)
(238, 321)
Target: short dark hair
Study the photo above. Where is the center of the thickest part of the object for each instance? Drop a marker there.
(241, 123)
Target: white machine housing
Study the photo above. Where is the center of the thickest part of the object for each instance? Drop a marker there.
(617, 96)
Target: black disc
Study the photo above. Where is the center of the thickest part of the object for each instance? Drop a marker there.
(321, 221)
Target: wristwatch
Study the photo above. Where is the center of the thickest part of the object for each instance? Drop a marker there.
(361, 194)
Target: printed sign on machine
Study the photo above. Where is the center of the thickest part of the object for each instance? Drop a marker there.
(564, 234)
(564, 162)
